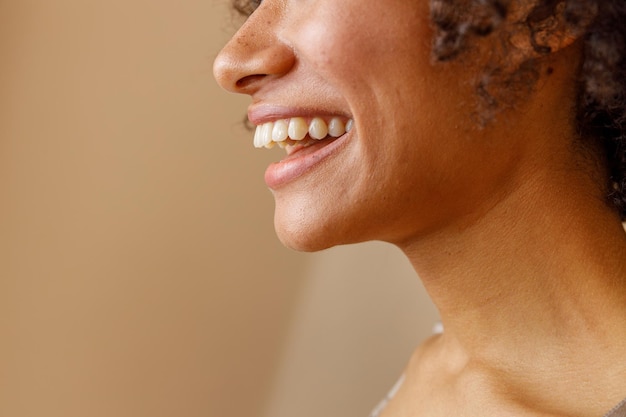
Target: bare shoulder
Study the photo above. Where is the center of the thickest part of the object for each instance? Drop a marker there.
(438, 382)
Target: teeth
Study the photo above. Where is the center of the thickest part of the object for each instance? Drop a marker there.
(257, 136)
(290, 131)
(336, 127)
(280, 131)
(318, 129)
(297, 128)
(349, 125)
(266, 134)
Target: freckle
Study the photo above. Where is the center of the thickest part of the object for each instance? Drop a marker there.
(550, 71)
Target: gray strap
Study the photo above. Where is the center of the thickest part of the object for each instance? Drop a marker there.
(618, 411)
(381, 406)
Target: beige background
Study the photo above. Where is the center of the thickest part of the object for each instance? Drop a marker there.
(139, 271)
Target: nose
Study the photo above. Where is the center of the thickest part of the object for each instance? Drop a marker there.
(255, 55)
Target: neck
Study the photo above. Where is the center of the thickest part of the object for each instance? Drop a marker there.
(533, 294)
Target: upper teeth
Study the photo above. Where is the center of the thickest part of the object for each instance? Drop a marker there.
(289, 131)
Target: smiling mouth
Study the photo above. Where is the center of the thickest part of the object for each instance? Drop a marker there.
(298, 132)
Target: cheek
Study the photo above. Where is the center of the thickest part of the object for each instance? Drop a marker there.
(327, 48)
(358, 38)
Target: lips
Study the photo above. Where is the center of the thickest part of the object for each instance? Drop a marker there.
(307, 141)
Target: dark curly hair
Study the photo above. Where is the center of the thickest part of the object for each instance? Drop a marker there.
(601, 99)
(246, 7)
(601, 103)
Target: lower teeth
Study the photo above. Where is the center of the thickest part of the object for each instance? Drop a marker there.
(308, 141)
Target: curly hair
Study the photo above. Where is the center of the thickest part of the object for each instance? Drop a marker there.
(246, 7)
(601, 96)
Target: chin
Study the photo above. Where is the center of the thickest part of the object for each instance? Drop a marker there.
(303, 237)
(311, 222)
(307, 230)
(300, 223)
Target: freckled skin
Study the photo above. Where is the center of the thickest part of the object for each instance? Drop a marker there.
(529, 283)
(414, 152)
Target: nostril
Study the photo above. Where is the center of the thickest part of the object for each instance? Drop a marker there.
(248, 80)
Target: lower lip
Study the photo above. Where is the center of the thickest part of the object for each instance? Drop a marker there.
(295, 166)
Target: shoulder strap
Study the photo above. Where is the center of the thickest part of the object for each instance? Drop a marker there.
(381, 406)
(618, 411)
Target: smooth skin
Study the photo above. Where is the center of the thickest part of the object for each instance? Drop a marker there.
(506, 225)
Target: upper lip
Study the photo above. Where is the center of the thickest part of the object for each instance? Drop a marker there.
(264, 113)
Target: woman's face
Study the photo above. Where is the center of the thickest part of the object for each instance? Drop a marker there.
(414, 162)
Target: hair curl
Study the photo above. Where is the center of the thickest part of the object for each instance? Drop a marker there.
(246, 7)
(601, 103)
(601, 100)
